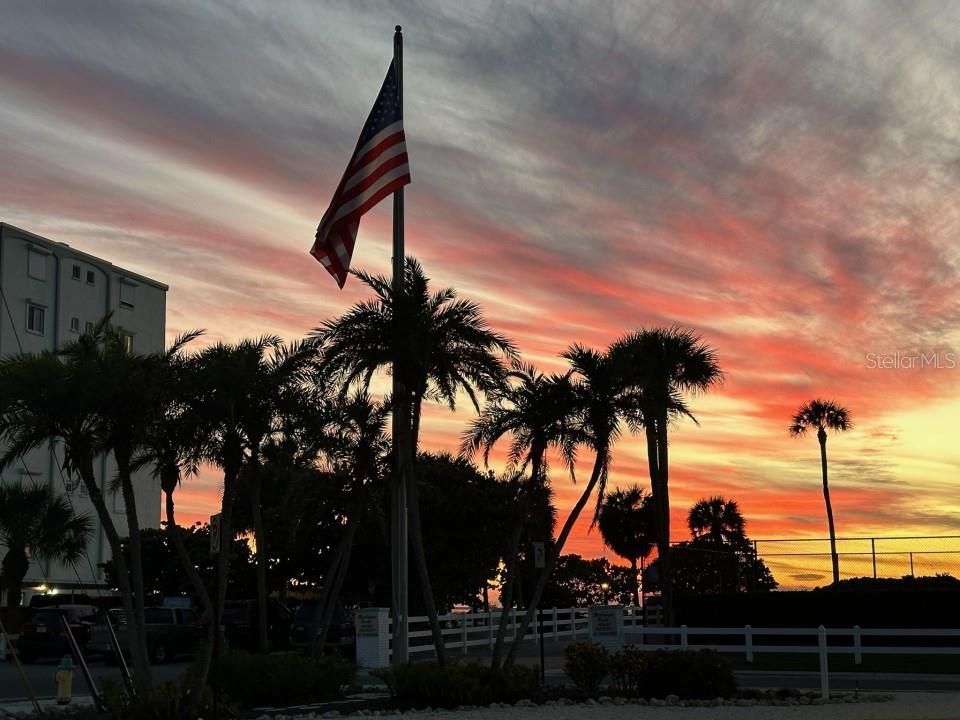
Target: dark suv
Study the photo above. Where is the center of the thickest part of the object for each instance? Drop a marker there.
(170, 632)
(341, 636)
(240, 623)
(43, 635)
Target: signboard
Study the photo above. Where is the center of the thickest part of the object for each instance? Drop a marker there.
(367, 625)
(215, 533)
(604, 621)
(539, 555)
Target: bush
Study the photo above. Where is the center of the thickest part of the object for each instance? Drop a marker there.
(587, 665)
(288, 679)
(427, 684)
(626, 670)
(166, 701)
(701, 674)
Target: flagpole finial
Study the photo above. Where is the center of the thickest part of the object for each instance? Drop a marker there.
(398, 28)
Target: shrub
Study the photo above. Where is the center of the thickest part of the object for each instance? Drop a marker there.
(626, 670)
(701, 674)
(253, 679)
(427, 684)
(166, 701)
(587, 665)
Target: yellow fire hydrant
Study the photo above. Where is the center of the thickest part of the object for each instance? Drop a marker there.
(64, 679)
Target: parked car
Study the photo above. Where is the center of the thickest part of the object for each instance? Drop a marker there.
(43, 635)
(240, 623)
(170, 632)
(341, 636)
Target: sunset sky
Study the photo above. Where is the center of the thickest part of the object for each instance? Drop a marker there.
(782, 177)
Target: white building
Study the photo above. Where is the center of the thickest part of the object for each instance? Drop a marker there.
(51, 293)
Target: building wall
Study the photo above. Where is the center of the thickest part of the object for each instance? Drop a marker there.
(75, 291)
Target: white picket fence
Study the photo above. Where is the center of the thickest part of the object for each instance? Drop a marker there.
(463, 631)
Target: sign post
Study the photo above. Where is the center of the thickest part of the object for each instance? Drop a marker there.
(215, 533)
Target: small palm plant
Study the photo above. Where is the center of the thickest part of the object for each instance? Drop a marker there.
(823, 415)
(36, 522)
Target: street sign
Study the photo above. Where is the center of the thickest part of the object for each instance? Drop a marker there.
(539, 555)
(215, 534)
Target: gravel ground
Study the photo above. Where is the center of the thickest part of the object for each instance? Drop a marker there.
(904, 706)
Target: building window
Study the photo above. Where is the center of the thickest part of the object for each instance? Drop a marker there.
(35, 318)
(76, 272)
(75, 324)
(91, 278)
(36, 265)
(127, 294)
(88, 328)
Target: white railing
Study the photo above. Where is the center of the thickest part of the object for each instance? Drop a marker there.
(462, 631)
(638, 636)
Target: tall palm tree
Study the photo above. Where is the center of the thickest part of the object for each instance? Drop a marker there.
(536, 411)
(67, 396)
(605, 402)
(718, 521)
(36, 522)
(823, 415)
(666, 364)
(438, 345)
(238, 390)
(627, 525)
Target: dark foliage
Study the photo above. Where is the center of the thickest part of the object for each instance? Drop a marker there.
(427, 684)
(587, 664)
(281, 679)
(701, 674)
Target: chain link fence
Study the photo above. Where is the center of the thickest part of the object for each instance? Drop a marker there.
(806, 563)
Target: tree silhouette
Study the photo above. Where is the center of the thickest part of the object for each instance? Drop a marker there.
(627, 523)
(823, 415)
(666, 364)
(717, 521)
(35, 522)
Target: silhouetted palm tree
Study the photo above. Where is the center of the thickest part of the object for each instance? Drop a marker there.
(627, 523)
(666, 364)
(537, 412)
(438, 345)
(823, 415)
(605, 400)
(717, 520)
(37, 523)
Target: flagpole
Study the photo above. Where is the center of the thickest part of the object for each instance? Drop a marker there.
(398, 500)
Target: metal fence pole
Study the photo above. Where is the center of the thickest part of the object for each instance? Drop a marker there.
(857, 646)
(683, 637)
(748, 642)
(824, 669)
(873, 553)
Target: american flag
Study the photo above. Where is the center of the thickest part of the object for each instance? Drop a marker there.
(378, 168)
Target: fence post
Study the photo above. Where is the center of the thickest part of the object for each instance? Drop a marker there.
(556, 626)
(463, 633)
(873, 552)
(513, 612)
(824, 670)
(857, 646)
(573, 622)
(911, 565)
(491, 629)
(748, 642)
(683, 637)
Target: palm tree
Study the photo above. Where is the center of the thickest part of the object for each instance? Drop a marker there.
(605, 401)
(823, 415)
(666, 364)
(718, 521)
(67, 396)
(37, 523)
(536, 411)
(436, 345)
(358, 453)
(627, 525)
(235, 405)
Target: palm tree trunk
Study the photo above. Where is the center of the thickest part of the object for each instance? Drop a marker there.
(416, 535)
(662, 490)
(335, 570)
(636, 582)
(599, 465)
(834, 558)
(138, 652)
(337, 584)
(139, 627)
(13, 570)
(506, 598)
(173, 531)
(260, 539)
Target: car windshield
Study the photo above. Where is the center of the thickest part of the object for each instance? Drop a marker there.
(307, 611)
(47, 617)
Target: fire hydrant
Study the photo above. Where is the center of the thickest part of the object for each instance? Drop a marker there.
(64, 679)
